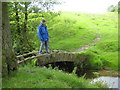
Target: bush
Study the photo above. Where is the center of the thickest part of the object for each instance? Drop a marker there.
(94, 62)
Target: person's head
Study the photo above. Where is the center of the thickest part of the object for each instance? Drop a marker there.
(43, 21)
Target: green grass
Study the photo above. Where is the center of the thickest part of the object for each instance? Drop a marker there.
(36, 77)
(71, 32)
(74, 30)
(107, 47)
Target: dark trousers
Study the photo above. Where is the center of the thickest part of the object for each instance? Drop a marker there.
(44, 44)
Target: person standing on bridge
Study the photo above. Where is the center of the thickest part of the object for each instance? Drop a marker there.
(43, 36)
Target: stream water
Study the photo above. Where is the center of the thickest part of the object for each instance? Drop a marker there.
(111, 78)
(112, 82)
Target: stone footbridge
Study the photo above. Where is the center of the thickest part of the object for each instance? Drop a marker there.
(53, 57)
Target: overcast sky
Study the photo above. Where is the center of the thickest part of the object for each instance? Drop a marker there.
(92, 6)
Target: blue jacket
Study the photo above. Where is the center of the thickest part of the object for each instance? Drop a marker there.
(43, 32)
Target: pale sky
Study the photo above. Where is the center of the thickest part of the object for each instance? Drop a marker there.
(92, 6)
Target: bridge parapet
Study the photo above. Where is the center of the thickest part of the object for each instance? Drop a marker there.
(54, 56)
(61, 57)
(31, 55)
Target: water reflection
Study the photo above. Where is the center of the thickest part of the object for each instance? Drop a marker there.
(112, 82)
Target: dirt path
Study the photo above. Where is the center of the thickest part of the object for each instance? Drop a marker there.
(88, 46)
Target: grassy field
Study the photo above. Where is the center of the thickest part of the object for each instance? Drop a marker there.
(106, 50)
(72, 30)
(35, 77)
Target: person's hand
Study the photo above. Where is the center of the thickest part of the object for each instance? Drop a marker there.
(41, 39)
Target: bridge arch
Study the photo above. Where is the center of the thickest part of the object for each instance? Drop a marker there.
(67, 66)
